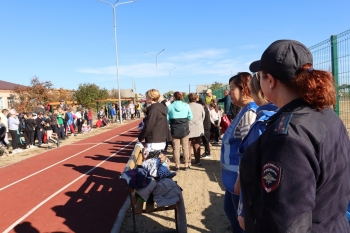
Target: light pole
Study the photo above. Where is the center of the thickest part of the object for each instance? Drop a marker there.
(114, 6)
(157, 65)
(133, 89)
(170, 77)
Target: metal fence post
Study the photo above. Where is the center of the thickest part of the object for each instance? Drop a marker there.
(335, 71)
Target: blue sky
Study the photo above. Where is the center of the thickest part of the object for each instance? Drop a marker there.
(69, 42)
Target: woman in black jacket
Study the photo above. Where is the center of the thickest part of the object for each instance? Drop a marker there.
(155, 131)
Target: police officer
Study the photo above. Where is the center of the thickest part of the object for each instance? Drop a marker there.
(295, 176)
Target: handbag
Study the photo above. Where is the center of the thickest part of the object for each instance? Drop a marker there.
(225, 123)
(45, 137)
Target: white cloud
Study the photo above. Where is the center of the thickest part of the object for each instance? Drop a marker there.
(200, 54)
(206, 62)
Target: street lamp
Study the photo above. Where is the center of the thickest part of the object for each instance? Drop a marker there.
(133, 89)
(157, 65)
(114, 6)
(170, 77)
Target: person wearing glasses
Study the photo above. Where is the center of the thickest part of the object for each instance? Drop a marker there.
(295, 176)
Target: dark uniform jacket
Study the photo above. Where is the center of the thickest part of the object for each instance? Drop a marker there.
(295, 177)
(206, 122)
(156, 128)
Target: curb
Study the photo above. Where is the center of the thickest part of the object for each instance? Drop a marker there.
(121, 215)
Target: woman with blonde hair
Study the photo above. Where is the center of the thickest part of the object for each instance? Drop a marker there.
(155, 130)
(295, 176)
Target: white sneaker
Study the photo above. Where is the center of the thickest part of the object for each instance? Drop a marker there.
(206, 156)
(32, 146)
(19, 150)
(15, 151)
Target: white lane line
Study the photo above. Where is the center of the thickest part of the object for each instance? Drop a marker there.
(57, 192)
(91, 143)
(24, 178)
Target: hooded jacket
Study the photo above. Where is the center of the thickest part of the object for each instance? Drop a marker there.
(179, 109)
(156, 128)
(179, 113)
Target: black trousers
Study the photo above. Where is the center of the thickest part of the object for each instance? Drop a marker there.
(215, 131)
(79, 124)
(14, 139)
(30, 137)
(54, 129)
(205, 140)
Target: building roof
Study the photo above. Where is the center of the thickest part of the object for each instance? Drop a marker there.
(9, 86)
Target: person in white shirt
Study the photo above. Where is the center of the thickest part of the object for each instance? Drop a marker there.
(79, 120)
(131, 106)
(3, 115)
(13, 124)
(215, 118)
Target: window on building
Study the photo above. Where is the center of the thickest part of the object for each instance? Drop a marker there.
(10, 102)
(1, 103)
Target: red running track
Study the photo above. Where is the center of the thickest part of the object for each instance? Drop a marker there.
(74, 188)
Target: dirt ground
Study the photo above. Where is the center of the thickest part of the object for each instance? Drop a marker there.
(203, 195)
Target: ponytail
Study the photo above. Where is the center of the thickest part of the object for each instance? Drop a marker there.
(316, 87)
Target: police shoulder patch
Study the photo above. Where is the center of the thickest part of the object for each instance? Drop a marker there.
(281, 125)
(271, 176)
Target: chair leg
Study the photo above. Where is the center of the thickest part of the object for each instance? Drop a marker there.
(177, 227)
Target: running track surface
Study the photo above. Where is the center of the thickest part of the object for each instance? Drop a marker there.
(74, 188)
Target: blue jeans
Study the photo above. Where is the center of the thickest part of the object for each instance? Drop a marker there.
(230, 208)
(61, 131)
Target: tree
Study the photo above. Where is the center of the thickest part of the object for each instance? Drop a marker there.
(168, 93)
(37, 93)
(87, 93)
(103, 94)
(216, 85)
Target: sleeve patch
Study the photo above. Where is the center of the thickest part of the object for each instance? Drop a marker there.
(271, 176)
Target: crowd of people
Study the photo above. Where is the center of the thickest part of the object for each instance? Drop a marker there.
(129, 112)
(285, 154)
(28, 130)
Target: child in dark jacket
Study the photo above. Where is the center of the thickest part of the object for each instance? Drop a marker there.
(40, 123)
(30, 130)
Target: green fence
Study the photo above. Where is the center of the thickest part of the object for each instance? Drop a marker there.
(333, 55)
(219, 93)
